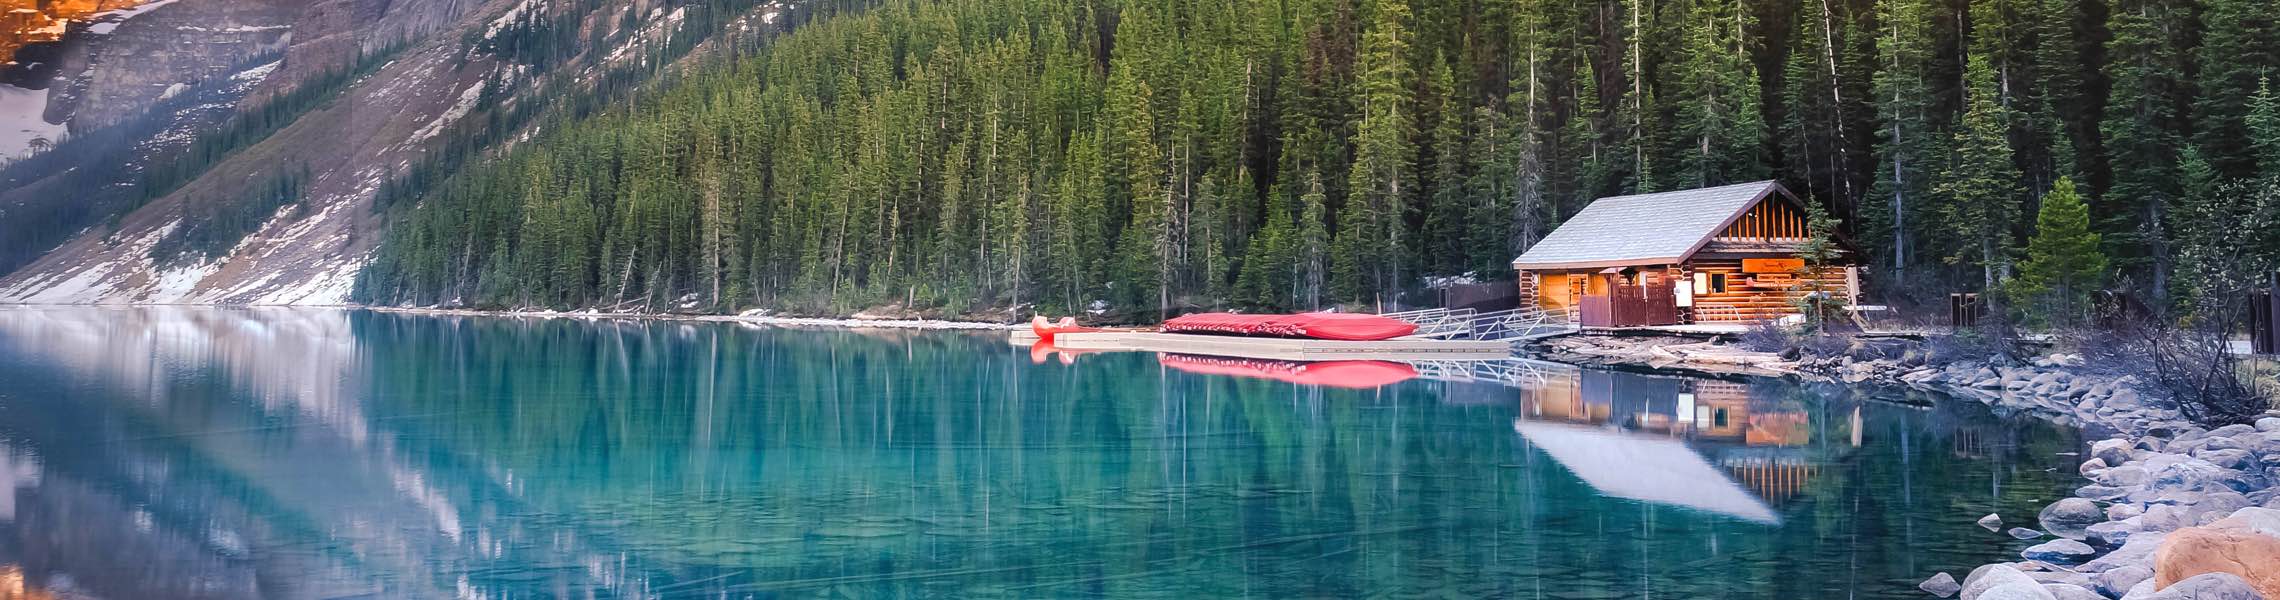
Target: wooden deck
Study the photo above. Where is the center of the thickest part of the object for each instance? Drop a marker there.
(1280, 348)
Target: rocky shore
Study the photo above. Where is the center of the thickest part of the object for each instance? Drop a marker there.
(2172, 510)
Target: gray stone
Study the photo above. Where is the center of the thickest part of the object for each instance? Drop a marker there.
(2165, 517)
(1941, 584)
(2221, 503)
(2015, 591)
(2067, 518)
(2058, 551)
(2024, 533)
(2119, 580)
(2208, 586)
(2231, 430)
(2121, 476)
(2270, 424)
(2260, 520)
(2123, 511)
(1991, 522)
(2193, 474)
(2101, 492)
(2137, 551)
(2230, 458)
(2068, 591)
(1990, 576)
(2141, 591)
(2090, 468)
(2111, 532)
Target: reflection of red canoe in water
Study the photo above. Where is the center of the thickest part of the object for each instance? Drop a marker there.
(1046, 330)
(1315, 325)
(1042, 350)
(1357, 374)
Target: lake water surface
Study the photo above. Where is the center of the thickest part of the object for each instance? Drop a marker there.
(271, 453)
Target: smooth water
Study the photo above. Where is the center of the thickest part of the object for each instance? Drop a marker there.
(181, 452)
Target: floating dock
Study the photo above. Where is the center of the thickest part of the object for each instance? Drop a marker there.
(1277, 348)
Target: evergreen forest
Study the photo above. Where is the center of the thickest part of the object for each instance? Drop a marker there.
(1151, 157)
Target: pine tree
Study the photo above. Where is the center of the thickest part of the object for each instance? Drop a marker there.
(2144, 130)
(1372, 238)
(1980, 187)
(1903, 91)
(2240, 45)
(1718, 122)
(2263, 122)
(2063, 263)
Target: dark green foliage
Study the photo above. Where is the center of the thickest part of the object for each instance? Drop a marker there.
(2063, 263)
(217, 225)
(963, 156)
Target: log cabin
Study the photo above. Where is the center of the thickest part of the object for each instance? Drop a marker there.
(1726, 254)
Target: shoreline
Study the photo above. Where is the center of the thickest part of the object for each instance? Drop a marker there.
(2156, 476)
(747, 318)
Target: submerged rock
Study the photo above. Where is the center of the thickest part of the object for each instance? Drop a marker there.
(1991, 522)
(2058, 551)
(2024, 533)
(1940, 584)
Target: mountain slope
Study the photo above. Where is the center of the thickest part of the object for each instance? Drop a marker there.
(286, 216)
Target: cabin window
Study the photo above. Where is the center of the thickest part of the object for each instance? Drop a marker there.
(1709, 283)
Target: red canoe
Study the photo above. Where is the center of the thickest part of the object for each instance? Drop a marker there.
(1316, 325)
(1352, 374)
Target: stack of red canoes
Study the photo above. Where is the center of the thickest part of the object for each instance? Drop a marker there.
(1353, 374)
(1317, 325)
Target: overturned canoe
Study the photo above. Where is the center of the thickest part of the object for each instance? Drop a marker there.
(1316, 325)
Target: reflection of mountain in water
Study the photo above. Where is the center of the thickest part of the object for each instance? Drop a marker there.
(310, 454)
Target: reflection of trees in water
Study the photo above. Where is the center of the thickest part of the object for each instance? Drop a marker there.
(705, 459)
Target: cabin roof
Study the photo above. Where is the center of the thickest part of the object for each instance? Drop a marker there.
(1644, 229)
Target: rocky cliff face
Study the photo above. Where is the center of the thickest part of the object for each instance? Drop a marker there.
(124, 67)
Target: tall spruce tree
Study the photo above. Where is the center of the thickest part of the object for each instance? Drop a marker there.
(1372, 240)
(1980, 187)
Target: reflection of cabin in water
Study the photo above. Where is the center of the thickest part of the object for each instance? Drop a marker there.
(1760, 445)
(1697, 408)
(1709, 255)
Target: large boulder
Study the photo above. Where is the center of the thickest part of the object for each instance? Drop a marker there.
(2195, 551)
(2207, 586)
(2138, 551)
(2068, 518)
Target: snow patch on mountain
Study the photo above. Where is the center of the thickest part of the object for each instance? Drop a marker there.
(21, 122)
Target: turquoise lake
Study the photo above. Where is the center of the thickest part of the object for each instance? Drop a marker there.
(272, 453)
